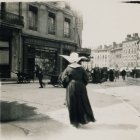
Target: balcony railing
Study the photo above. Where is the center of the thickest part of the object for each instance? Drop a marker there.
(11, 18)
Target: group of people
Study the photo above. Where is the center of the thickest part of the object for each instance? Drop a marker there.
(99, 75)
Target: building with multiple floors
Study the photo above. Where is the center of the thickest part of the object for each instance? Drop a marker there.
(116, 56)
(11, 25)
(37, 33)
(100, 57)
(130, 51)
(125, 54)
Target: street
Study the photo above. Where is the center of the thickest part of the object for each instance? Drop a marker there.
(28, 112)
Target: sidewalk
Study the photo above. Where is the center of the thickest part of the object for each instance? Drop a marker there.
(13, 81)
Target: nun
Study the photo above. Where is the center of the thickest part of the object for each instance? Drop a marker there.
(77, 101)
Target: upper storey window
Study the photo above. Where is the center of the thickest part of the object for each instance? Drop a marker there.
(51, 23)
(33, 18)
(67, 27)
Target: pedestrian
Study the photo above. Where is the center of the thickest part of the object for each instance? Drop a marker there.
(116, 74)
(39, 75)
(111, 75)
(80, 111)
(123, 74)
(134, 72)
(97, 75)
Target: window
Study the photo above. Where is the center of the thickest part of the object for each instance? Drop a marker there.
(12, 7)
(4, 53)
(51, 23)
(33, 18)
(67, 27)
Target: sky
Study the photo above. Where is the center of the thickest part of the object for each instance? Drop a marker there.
(107, 21)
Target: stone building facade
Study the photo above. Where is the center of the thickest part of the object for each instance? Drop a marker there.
(116, 56)
(46, 30)
(130, 51)
(100, 57)
(124, 54)
(11, 24)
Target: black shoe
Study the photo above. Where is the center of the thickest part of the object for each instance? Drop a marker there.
(40, 87)
(76, 125)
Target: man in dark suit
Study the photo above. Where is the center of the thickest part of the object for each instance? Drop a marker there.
(123, 74)
(39, 75)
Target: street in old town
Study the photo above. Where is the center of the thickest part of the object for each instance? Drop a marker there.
(29, 112)
(59, 41)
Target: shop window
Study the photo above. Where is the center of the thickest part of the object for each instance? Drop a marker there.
(33, 18)
(0, 5)
(12, 7)
(47, 59)
(4, 53)
(51, 23)
(4, 60)
(67, 27)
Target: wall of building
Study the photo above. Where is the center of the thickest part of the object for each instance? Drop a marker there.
(100, 58)
(116, 56)
(10, 29)
(23, 40)
(125, 54)
(130, 53)
(62, 44)
(42, 30)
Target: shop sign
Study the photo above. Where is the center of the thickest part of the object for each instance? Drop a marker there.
(84, 51)
(41, 42)
(69, 47)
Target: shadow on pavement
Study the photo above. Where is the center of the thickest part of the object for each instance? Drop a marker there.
(11, 111)
(19, 120)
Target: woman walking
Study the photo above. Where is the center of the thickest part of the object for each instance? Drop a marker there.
(76, 79)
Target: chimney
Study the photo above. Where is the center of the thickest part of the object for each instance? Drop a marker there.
(135, 35)
(128, 36)
(114, 44)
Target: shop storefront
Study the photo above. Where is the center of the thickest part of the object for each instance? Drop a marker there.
(45, 53)
(5, 52)
(4, 59)
(40, 52)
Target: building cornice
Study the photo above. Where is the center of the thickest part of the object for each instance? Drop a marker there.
(50, 39)
(55, 8)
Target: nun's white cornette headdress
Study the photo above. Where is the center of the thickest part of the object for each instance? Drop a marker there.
(73, 58)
